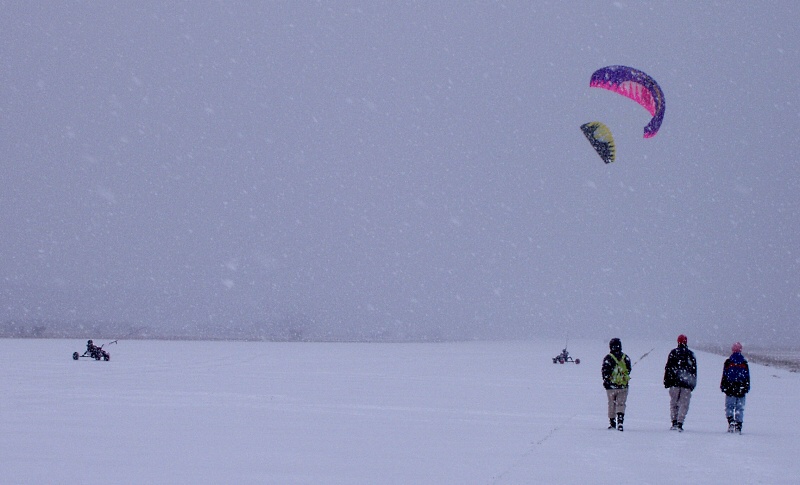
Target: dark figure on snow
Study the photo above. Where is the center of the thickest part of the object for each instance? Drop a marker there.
(91, 348)
(735, 384)
(680, 377)
(616, 375)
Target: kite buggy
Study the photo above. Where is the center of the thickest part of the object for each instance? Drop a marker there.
(94, 352)
(565, 357)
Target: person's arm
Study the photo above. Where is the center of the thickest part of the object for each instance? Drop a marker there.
(606, 371)
(723, 383)
(747, 381)
(668, 370)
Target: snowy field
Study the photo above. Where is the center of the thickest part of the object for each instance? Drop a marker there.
(319, 413)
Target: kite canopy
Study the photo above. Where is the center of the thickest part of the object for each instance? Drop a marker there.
(601, 139)
(636, 85)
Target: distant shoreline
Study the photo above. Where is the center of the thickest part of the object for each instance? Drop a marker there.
(784, 359)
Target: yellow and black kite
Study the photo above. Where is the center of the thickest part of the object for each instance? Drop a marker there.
(601, 139)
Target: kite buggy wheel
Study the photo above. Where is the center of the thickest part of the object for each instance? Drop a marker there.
(75, 356)
(577, 361)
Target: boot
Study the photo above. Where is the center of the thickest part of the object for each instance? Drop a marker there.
(731, 424)
(674, 425)
(680, 427)
(613, 424)
(620, 418)
(739, 427)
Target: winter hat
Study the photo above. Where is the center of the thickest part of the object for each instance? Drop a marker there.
(682, 339)
(737, 347)
(615, 344)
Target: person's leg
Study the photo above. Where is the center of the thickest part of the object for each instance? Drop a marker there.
(674, 394)
(739, 413)
(730, 410)
(622, 397)
(612, 416)
(739, 409)
(730, 407)
(684, 398)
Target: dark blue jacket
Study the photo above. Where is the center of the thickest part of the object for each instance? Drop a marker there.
(735, 376)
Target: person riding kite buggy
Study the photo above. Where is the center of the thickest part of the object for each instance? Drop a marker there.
(94, 352)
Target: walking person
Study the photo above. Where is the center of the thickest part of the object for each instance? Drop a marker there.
(680, 377)
(735, 384)
(616, 375)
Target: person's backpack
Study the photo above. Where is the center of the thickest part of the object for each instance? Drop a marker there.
(621, 375)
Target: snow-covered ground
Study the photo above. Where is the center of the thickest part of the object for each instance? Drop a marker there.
(336, 413)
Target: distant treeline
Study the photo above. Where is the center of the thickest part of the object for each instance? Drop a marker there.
(114, 330)
(785, 359)
(78, 329)
(282, 330)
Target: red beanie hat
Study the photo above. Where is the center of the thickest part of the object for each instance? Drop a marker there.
(737, 347)
(682, 339)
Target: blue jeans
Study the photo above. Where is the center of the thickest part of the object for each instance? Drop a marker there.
(734, 408)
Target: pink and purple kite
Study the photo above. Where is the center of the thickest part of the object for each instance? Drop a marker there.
(636, 85)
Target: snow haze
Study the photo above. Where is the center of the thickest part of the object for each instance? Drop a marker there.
(399, 171)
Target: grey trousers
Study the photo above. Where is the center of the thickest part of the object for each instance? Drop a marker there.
(616, 401)
(679, 398)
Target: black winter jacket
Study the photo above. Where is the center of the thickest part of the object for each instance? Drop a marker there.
(681, 368)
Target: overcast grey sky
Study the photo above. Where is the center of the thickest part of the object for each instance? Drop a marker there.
(408, 168)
